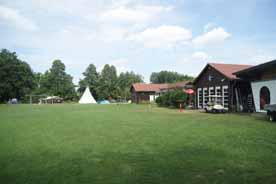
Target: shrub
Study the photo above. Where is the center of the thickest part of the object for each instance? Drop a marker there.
(172, 98)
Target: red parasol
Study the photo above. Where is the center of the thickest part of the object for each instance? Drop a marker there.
(189, 91)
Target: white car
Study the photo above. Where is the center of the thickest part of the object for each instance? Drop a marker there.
(214, 108)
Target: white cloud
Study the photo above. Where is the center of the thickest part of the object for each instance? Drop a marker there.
(162, 36)
(120, 61)
(259, 57)
(15, 18)
(121, 65)
(190, 64)
(139, 14)
(200, 55)
(215, 36)
(112, 33)
(209, 26)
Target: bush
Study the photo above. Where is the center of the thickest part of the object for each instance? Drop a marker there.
(172, 98)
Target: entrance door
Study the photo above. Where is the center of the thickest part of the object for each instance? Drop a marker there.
(264, 97)
(152, 98)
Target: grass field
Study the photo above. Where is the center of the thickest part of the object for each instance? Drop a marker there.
(56, 144)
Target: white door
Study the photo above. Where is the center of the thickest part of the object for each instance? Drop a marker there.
(152, 98)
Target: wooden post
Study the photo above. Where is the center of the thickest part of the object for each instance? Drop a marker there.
(180, 107)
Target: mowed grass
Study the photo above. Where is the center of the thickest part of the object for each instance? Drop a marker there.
(132, 144)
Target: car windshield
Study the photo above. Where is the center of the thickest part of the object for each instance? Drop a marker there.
(212, 103)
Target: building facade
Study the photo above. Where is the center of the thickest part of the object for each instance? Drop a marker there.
(263, 83)
(217, 83)
(145, 93)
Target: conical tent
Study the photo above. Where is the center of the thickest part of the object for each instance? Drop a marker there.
(87, 98)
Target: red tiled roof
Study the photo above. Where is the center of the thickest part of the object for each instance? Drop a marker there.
(142, 87)
(177, 85)
(229, 69)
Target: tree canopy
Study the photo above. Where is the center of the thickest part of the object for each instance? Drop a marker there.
(91, 79)
(168, 77)
(16, 77)
(18, 80)
(107, 83)
(125, 80)
(57, 82)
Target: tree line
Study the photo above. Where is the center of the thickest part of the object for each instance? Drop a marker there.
(107, 84)
(168, 77)
(17, 80)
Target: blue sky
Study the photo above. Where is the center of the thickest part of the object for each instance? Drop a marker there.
(142, 36)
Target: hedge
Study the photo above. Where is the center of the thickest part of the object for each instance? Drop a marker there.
(172, 99)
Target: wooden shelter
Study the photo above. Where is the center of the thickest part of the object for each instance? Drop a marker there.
(51, 100)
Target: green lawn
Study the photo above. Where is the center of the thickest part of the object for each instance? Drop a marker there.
(56, 144)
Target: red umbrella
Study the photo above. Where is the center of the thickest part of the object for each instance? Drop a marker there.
(189, 91)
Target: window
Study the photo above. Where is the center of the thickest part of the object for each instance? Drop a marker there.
(199, 98)
(218, 91)
(211, 94)
(211, 91)
(264, 97)
(218, 95)
(210, 77)
(225, 97)
(205, 97)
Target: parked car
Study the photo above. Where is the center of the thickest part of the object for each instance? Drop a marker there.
(213, 107)
(271, 112)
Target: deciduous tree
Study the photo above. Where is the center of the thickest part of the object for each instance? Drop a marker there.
(16, 77)
(56, 81)
(91, 79)
(125, 81)
(108, 83)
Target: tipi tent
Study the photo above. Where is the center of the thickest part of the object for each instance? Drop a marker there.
(87, 98)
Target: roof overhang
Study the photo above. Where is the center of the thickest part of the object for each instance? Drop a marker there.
(256, 69)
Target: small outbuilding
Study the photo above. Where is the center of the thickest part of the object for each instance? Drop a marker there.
(145, 93)
(263, 83)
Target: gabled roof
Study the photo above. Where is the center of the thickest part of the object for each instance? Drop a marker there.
(255, 69)
(142, 87)
(227, 70)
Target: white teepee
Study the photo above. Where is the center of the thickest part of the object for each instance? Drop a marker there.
(87, 98)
